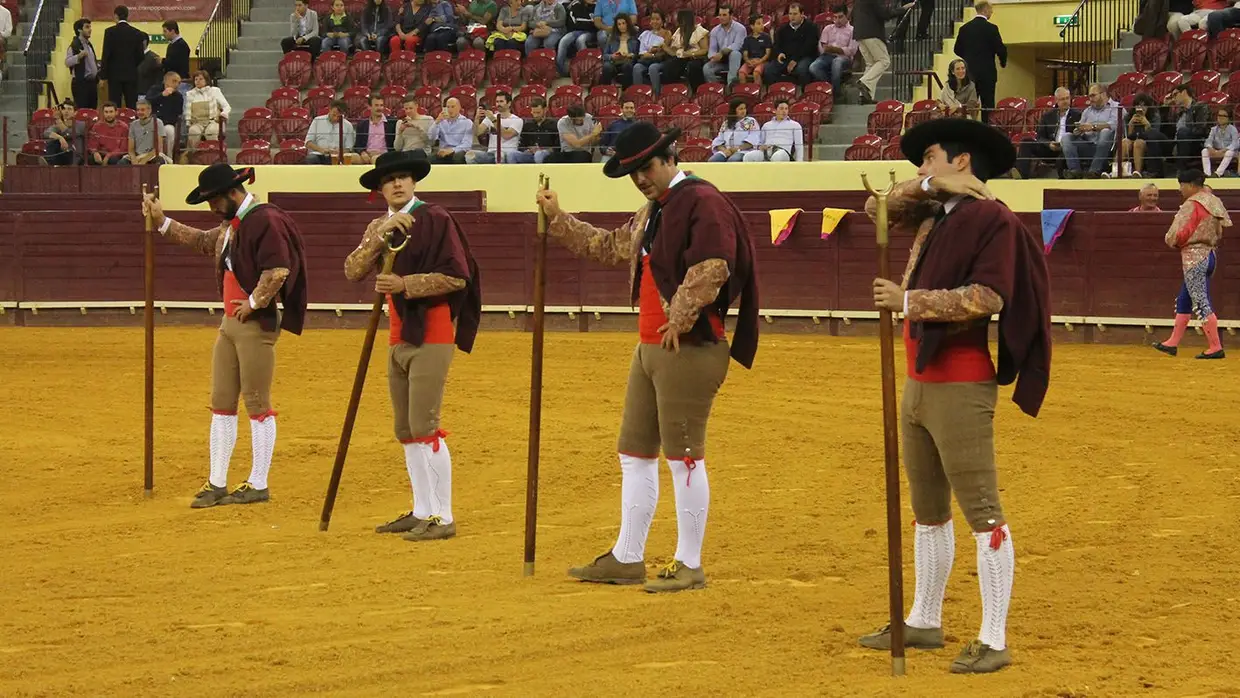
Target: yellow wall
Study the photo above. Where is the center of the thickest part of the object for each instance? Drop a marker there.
(584, 188)
(1032, 21)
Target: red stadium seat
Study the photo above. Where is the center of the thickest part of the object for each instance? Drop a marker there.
(892, 151)
(505, 67)
(1041, 105)
(470, 67)
(209, 153)
(521, 103)
(255, 123)
(356, 101)
(488, 95)
(607, 114)
(1214, 98)
(784, 90)
(763, 112)
(586, 68)
(868, 147)
(364, 69)
(1189, 54)
(32, 153)
(1128, 84)
(747, 91)
(640, 94)
(125, 115)
(437, 69)
(40, 122)
(256, 143)
(291, 156)
(331, 69)
(283, 98)
(430, 100)
(651, 111)
(886, 119)
(1224, 51)
(467, 95)
(692, 153)
(600, 96)
(293, 123)
(672, 95)
(1010, 115)
(565, 95)
(318, 99)
(1204, 81)
(1163, 83)
(1080, 102)
(687, 117)
(709, 95)
(295, 69)
(923, 110)
(1150, 56)
(400, 68)
(393, 97)
(254, 156)
(809, 115)
(539, 67)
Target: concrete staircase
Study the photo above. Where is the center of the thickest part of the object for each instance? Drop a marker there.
(252, 71)
(847, 122)
(1121, 59)
(13, 87)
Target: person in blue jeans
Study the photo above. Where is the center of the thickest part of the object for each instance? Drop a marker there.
(838, 48)
(1092, 137)
(580, 33)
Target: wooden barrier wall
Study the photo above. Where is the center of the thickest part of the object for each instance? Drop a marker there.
(1107, 264)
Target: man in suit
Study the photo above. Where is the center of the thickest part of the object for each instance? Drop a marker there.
(176, 58)
(376, 134)
(124, 47)
(979, 44)
(1053, 125)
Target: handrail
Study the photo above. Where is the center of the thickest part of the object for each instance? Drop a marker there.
(1092, 33)
(33, 23)
(916, 36)
(38, 48)
(220, 35)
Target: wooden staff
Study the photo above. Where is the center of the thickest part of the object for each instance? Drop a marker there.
(536, 370)
(148, 323)
(359, 381)
(891, 448)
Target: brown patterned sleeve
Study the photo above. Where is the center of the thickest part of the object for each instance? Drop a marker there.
(201, 241)
(362, 260)
(269, 284)
(903, 198)
(428, 285)
(612, 247)
(701, 286)
(953, 305)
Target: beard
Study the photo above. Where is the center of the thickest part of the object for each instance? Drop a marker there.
(225, 208)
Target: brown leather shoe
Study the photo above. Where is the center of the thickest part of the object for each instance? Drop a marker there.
(917, 638)
(979, 658)
(431, 529)
(404, 523)
(208, 496)
(677, 577)
(606, 569)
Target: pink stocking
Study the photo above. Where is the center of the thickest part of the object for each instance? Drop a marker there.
(1181, 325)
(1211, 330)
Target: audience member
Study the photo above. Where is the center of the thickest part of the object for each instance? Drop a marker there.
(959, 97)
(176, 57)
(1093, 136)
(628, 117)
(303, 30)
(1054, 126)
(330, 136)
(143, 132)
(377, 26)
(376, 134)
(755, 52)
(686, 53)
(338, 29)
(1219, 20)
(782, 138)
(510, 27)
(150, 73)
(441, 34)
(80, 59)
(580, 32)
(796, 48)
(578, 135)
(1192, 123)
(454, 133)
(6, 27)
(724, 48)
(622, 47)
(412, 21)
(544, 21)
(869, 18)
(980, 45)
(1220, 145)
(651, 47)
(168, 104)
(61, 137)
(509, 127)
(204, 107)
(109, 138)
(1180, 22)
(540, 136)
(124, 47)
(838, 48)
(478, 12)
(925, 10)
(738, 135)
(1147, 200)
(413, 132)
(1144, 140)
(605, 13)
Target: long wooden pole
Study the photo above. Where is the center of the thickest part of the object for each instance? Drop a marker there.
(536, 372)
(355, 398)
(891, 447)
(148, 323)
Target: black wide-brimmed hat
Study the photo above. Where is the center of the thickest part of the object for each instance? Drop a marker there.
(218, 179)
(636, 145)
(992, 151)
(413, 162)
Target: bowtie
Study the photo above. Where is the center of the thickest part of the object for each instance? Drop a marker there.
(235, 223)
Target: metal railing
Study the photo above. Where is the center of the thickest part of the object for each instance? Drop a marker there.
(37, 51)
(1092, 32)
(219, 37)
(916, 36)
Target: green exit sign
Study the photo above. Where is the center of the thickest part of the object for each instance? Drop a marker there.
(1065, 20)
(157, 39)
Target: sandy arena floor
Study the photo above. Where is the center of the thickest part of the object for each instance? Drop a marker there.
(1122, 498)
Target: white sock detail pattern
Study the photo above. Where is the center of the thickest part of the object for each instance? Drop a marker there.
(995, 570)
(440, 467)
(263, 445)
(639, 495)
(692, 504)
(417, 464)
(223, 439)
(934, 550)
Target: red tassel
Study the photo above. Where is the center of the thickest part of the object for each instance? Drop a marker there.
(225, 413)
(374, 196)
(263, 416)
(997, 536)
(690, 464)
(432, 439)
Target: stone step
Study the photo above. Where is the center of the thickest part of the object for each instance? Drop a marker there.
(248, 42)
(1108, 73)
(1122, 57)
(830, 152)
(834, 134)
(269, 30)
(272, 13)
(238, 70)
(1129, 39)
(850, 114)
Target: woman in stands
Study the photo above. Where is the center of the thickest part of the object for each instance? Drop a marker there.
(959, 98)
(685, 55)
(739, 134)
(205, 106)
(412, 23)
(338, 29)
(622, 46)
(1144, 140)
(509, 28)
(376, 27)
(651, 46)
(1220, 145)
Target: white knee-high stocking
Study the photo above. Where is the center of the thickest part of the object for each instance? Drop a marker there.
(439, 462)
(639, 494)
(263, 445)
(934, 550)
(996, 566)
(417, 464)
(223, 439)
(692, 504)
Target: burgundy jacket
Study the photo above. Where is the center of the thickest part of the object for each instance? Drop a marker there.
(268, 239)
(438, 246)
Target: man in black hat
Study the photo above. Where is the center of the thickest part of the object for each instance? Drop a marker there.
(971, 258)
(435, 304)
(258, 261)
(690, 257)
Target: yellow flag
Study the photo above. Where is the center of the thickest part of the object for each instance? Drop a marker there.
(831, 218)
(782, 220)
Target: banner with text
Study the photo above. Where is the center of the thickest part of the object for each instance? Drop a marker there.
(152, 11)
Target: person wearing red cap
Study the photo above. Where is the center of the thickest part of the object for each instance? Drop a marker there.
(690, 257)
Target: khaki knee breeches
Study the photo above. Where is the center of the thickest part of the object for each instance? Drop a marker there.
(242, 366)
(669, 397)
(949, 446)
(416, 378)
